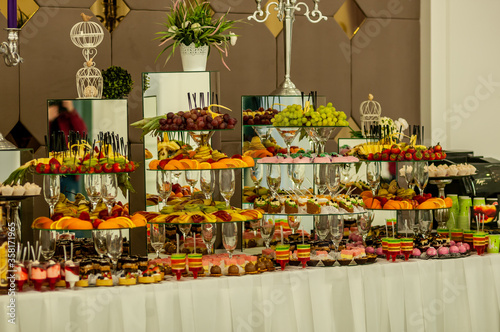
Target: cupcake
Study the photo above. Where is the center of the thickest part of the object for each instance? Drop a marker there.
(7, 190)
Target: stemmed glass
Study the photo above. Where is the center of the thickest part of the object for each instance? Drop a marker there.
(230, 237)
(109, 190)
(320, 176)
(157, 237)
(227, 183)
(254, 225)
(273, 178)
(209, 234)
(297, 173)
(256, 174)
(333, 179)
(51, 190)
(93, 188)
(322, 226)
(164, 186)
(294, 223)
(267, 230)
(364, 223)
(421, 173)
(99, 237)
(425, 220)
(185, 229)
(207, 183)
(192, 179)
(288, 134)
(373, 175)
(114, 245)
(410, 176)
(337, 230)
(48, 243)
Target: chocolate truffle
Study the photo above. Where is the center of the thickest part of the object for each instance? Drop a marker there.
(215, 271)
(233, 271)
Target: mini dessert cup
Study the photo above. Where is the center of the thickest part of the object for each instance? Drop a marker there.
(72, 273)
(282, 255)
(479, 242)
(178, 264)
(394, 248)
(407, 247)
(21, 275)
(304, 254)
(38, 275)
(53, 274)
(195, 264)
(385, 247)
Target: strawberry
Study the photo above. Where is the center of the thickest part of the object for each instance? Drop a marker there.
(388, 151)
(84, 216)
(370, 156)
(40, 168)
(411, 149)
(401, 157)
(162, 163)
(98, 168)
(377, 156)
(271, 149)
(427, 155)
(63, 169)
(54, 168)
(385, 156)
(408, 156)
(382, 200)
(433, 156)
(133, 166)
(237, 156)
(57, 216)
(96, 223)
(107, 168)
(54, 161)
(210, 161)
(443, 154)
(439, 156)
(82, 169)
(179, 156)
(117, 168)
(418, 155)
(393, 157)
(438, 148)
(395, 149)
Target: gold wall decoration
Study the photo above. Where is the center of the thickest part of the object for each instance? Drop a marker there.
(110, 12)
(350, 18)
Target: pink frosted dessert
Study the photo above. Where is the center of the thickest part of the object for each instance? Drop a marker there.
(38, 275)
(467, 246)
(302, 160)
(416, 252)
(452, 243)
(53, 273)
(431, 251)
(443, 251)
(21, 275)
(268, 160)
(462, 249)
(454, 250)
(322, 160)
(379, 251)
(370, 250)
(285, 160)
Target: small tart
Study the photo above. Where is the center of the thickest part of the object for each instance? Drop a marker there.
(82, 283)
(104, 282)
(146, 279)
(127, 281)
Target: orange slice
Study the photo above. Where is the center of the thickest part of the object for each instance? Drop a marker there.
(108, 224)
(217, 165)
(153, 164)
(176, 164)
(61, 223)
(169, 167)
(249, 161)
(205, 165)
(195, 164)
(186, 163)
(79, 224)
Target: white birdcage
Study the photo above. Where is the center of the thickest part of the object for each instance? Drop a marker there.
(88, 35)
(89, 81)
(370, 113)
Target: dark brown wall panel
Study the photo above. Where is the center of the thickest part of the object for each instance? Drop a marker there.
(138, 199)
(407, 9)
(387, 64)
(149, 5)
(65, 3)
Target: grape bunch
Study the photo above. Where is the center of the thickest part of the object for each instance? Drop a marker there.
(259, 117)
(294, 116)
(196, 119)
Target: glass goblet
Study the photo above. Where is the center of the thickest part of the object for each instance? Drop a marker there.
(230, 237)
(109, 190)
(333, 179)
(257, 174)
(297, 174)
(322, 226)
(192, 179)
(114, 245)
(294, 223)
(47, 243)
(425, 221)
(164, 186)
(99, 238)
(185, 229)
(207, 182)
(320, 175)
(373, 175)
(227, 183)
(337, 230)
(364, 223)
(157, 237)
(273, 178)
(421, 174)
(93, 188)
(51, 190)
(267, 230)
(209, 234)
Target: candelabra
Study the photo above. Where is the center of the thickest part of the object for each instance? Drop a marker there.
(9, 48)
(286, 13)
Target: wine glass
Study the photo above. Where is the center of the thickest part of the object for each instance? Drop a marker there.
(185, 229)
(93, 188)
(409, 176)
(256, 174)
(227, 182)
(373, 175)
(421, 174)
(320, 175)
(209, 234)
(322, 226)
(207, 183)
(114, 245)
(267, 230)
(164, 185)
(337, 230)
(157, 237)
(254, 225)
(51, 190)
(230, 237)
(99, 237)
(364, 223)
(297, 173)
(333, 179)
(273, 178)
(192, 179)
(109, 190)
(425, 220)
(47, 243)
(294, 223)
(288, 134)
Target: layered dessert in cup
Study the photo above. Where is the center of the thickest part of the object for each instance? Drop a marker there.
(21, 275)
(407, 247)
(38, 275)
(394, 248)
(303, 253)
(53, 274)
(385, 247)
(282, 255)
(479, 242)
(178, 264)
(443, 233)
(469, 237)
(195, 264)
(457, 235)
(62, 278)
(72, 273)
(86, 269)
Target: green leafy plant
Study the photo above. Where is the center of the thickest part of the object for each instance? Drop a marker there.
(117, 83)
(191, 21)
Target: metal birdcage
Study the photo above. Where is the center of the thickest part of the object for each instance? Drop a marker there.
(370, 113)
(88, 35)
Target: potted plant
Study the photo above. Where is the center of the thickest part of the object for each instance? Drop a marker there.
(117, 83)
(191, 28)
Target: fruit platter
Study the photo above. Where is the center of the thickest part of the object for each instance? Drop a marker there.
(402, 152)
(308, 158)
(83, 222)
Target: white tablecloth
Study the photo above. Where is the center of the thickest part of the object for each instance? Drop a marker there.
(434, 295)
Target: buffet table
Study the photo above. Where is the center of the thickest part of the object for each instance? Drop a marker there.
(433, 295)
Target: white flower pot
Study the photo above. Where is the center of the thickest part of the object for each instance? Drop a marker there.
(194, 58)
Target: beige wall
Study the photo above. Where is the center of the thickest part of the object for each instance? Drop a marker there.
(383, 59)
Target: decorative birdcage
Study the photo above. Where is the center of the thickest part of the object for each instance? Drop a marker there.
(89, 81)
(87, 35)
(370, 111)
